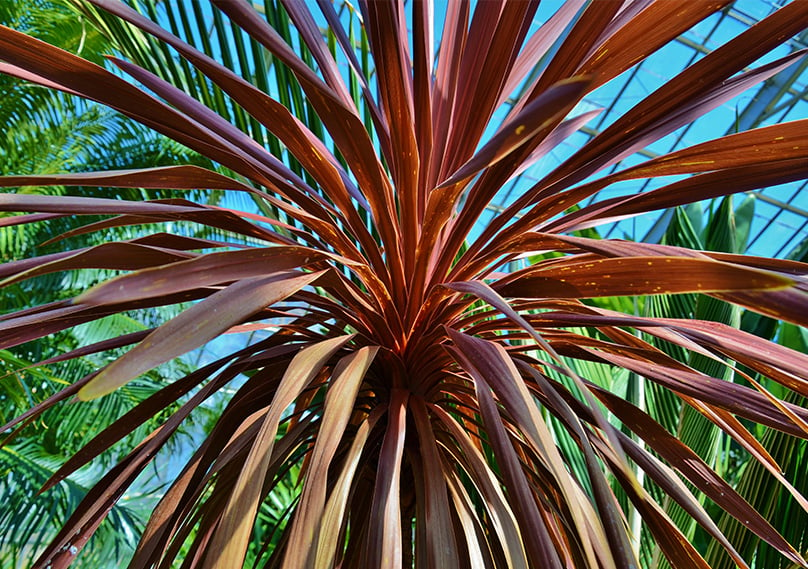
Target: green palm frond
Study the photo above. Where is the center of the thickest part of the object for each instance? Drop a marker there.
(24, 468)
(755, 483)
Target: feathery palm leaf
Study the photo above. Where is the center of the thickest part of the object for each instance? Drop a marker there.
(755, 484)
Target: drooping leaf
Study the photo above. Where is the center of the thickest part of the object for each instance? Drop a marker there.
(197, 325)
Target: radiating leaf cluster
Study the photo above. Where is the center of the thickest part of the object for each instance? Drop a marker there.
(433, 408)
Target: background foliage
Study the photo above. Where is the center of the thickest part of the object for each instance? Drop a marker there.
(47, 132)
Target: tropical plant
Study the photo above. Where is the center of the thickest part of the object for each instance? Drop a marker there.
(434, 409)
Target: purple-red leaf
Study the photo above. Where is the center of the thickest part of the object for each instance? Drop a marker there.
(340, 402)
(201, 271)
(385, 544)
(196, 326)
(636, 276)
(557, 101)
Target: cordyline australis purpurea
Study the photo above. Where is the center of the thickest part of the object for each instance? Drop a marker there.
(422, 391)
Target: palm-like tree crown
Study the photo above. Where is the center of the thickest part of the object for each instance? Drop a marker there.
(436, 411)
